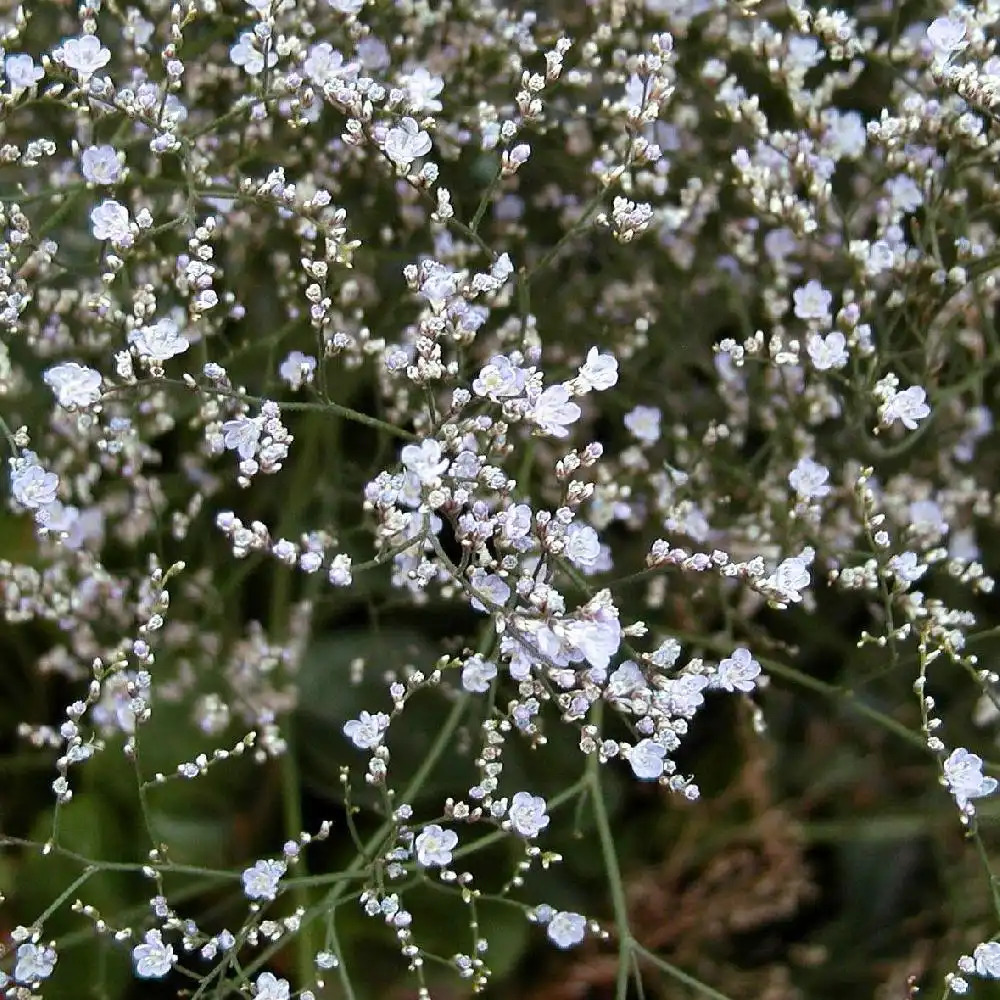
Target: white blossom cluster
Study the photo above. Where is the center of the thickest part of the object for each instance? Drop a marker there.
(562, 324)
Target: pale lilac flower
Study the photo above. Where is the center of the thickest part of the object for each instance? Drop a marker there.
(527, 814)
(904, 193)
(153, 959)
(986, 957)
(963, 774)
(643, 423)
(242, 435)
(346, 6)
(21, 72)
(261, 880)
(812, 301)
(74, 385)
(34, 963)
(566, 930)
(491, 586)
(101, 165)
(599, 371)
(269, 987)
(434, 846)
(738, 672)
(881, 257)
(791, 578)
(477, 674)
(324, 64)
(827, 352)
(554, 411)
(159, 341)
(33, 487)
(366, 732)
(499, 380)
(405, 142)
(646, 760)
(908, 407)
(907, 567)
(85, 54)
(110, 221)
(946, 35)
(809, 479)
(845, 136)
(298, 369)
(582, 546)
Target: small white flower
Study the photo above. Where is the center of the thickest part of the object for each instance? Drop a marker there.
(809, 479)
(153, 959)
(74, 385)
(566, 930)
(422, 90)
(987, 959)
(298, 369)
(85, 54)
(242, 435)
(963, 774)
(582, 546)
(527, 814)
(270, 987)
(812, 301)
(101, 165)
(908, 407)
(246, 54)
(159, 341)
(325, 64)
(946, 35)
(434, 846)
(110, 221)
(33, 487)
(827, 352)
(646, 760)
(738, 672)
(424, 460)
(599, 371)
(643, 423)
(261, 881)
(554, 411)
(405, 142)
(346, 6)
(367, 730)
(477, 674)
(34, 963)
(22, 73)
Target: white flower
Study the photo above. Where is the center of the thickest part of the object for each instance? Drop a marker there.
(298, 369)
(881, 257)
(809, 479)
(599, 371)
(565, 930)
(424, 460)
(791, 578)
(582, 546)
(324, 64)
(434, 846)
(405, 142)
(477, 674)
(153, 959)
(346, 6)
(987, 959)
(827, 352)
(946, 35)
(422, 89)
(499, 380)
(22, 73)
(246, 54)
(85, 54)
(738, 672)
(527, 814)
(908, 407)
(261, 881)
(646, 760)
(812, 301)
(101, 165)
(74, 385)
(963, 774)
(34, 963)
(33, 487)
(643, 423)
(159, 341)
(270, 987)
(554, 411)
(242, 435)
(907, 567)
(366, 732)
(110, 221)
